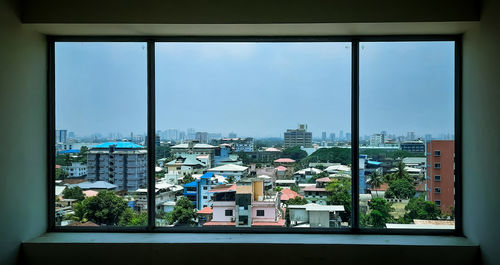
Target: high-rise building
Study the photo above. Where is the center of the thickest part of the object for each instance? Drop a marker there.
(440, 174)
(410, 136)
(348, 136)
(415, 147)
(377, 139)
(323, 136)
(61, 136)
(332, 137)
(202, 137)
(123, 164)
(191, 134)
(232, 135)
(341, 135)
(298, 137)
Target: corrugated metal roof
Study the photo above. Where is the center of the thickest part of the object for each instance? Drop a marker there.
(125, 145)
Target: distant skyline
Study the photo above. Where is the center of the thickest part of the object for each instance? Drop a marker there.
(255, 89)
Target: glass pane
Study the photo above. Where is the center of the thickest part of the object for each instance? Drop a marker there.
(407, 135)
(253, 134)
(101, 120)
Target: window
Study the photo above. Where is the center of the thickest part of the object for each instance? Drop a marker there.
(346, 110)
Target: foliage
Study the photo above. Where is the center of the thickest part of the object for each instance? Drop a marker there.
(162, 151)
(376, 180)
(184, 212)
(188, 178)
(320, 167)
(84, 150)
(339, 193)
(245, 158)
(105, 208)
(230, 179)
(379, 213)
(313, 178)
(295, 188)
(73, 193)
(294, 153)
(266, 142)
(297, 201)
(381, 154)
(419, 208)
(132, 218)
(329, 155)
(61, 173)
(401, 189)
(278, 189)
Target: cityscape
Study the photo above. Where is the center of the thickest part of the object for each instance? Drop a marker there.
(298, 180)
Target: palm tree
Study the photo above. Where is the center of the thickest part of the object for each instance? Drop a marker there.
(376, 180)
(400, 171)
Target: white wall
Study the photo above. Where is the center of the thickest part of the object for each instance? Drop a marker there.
(23, 117)
(481, 133)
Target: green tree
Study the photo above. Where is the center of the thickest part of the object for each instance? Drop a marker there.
(320, 167)
(376, 180)
(73, 193)
(401, 189)
(295, 188)
(105, 208)
(379, 213)
(419, 208)
(244, 157)
(162, 151)
(133, 218)
(297, 201)
(278, 189)
(230, 179)
(294, 153)
(61, 174)
(333, 155)
(82, 157)
(184, 212)
(339, 193)
(188, 178)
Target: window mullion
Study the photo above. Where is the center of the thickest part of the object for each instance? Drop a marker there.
(355, 134)
(151, 134)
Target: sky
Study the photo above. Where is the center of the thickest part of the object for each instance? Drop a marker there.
(255, 89)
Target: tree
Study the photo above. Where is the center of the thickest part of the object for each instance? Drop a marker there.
(400, 173)
(401, 189)
(313, 178)
(379, 213)
(61, 173)
(73, 193)
(184, 212)
(320, 167)
(230, 179)
(278, 189)
(376, 180)
(162, 151)
(339, 193)
(419, 208)
(325, 155)
(105, 208)
(84, 150)
(188, 178)
(296, 201)
(295, 188)
(294, 153)
(132, 218)
(244, 157)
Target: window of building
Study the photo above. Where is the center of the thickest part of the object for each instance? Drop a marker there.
(164, 103)
(437, 202)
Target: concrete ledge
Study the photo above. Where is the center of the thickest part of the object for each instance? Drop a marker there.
(144, 248)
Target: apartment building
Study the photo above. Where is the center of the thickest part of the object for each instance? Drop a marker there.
(123, 164)
(440, 174)
(298, 137)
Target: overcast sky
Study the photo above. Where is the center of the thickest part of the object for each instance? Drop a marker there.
(255, 89)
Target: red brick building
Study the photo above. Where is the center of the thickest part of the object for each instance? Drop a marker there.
(441, 173)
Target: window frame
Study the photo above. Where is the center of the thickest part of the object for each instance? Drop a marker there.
(355, 48)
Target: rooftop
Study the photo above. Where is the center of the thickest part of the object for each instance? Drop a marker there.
(206, 210)
(124, 145)
(287, 194)
(229, 167)
(223, 188)
(197, 145)
(281, 168)
(98, 185)
(325, 179)
(284, 160)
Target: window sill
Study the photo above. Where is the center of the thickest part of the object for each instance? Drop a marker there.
(218, 248)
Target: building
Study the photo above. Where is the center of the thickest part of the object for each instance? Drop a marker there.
(298, 137)
(236, 172)
(237, 144)
(194, 147)
(440, 174)
(245, 204)
(165, 193)
(317, 194)
(202, 137)
(184, 164)
(416, 147)
(61, 136)
(315, 215)
(123, 164)
(323, 136)
(198, 191)
(377, 139)
(76, 170)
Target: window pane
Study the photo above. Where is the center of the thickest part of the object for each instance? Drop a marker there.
(249, 133)
(407, 135)
(101, 120)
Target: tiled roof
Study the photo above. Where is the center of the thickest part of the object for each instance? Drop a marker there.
(325, 179)
(223, 188)
(284, 160)
(214, 223)
(287, 194)
(90, 193)
(281, 168)
(272, 149)
(280, 222)
(206, 210)
(313, 188)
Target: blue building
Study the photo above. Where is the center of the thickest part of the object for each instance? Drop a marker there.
(362, 178)
(198, 190)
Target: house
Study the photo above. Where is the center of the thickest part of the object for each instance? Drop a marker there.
(164, 192)
(281, 171)
(317, 194)
(184, 164)
(236, 172)
(303, 175)
(194, 147)
(76, 170)
(315, 215)
(198, 191)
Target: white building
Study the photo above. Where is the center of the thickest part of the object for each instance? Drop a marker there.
(76, 170)
(231, 170)
(123, 164)
(315, 215)
(377, 139)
